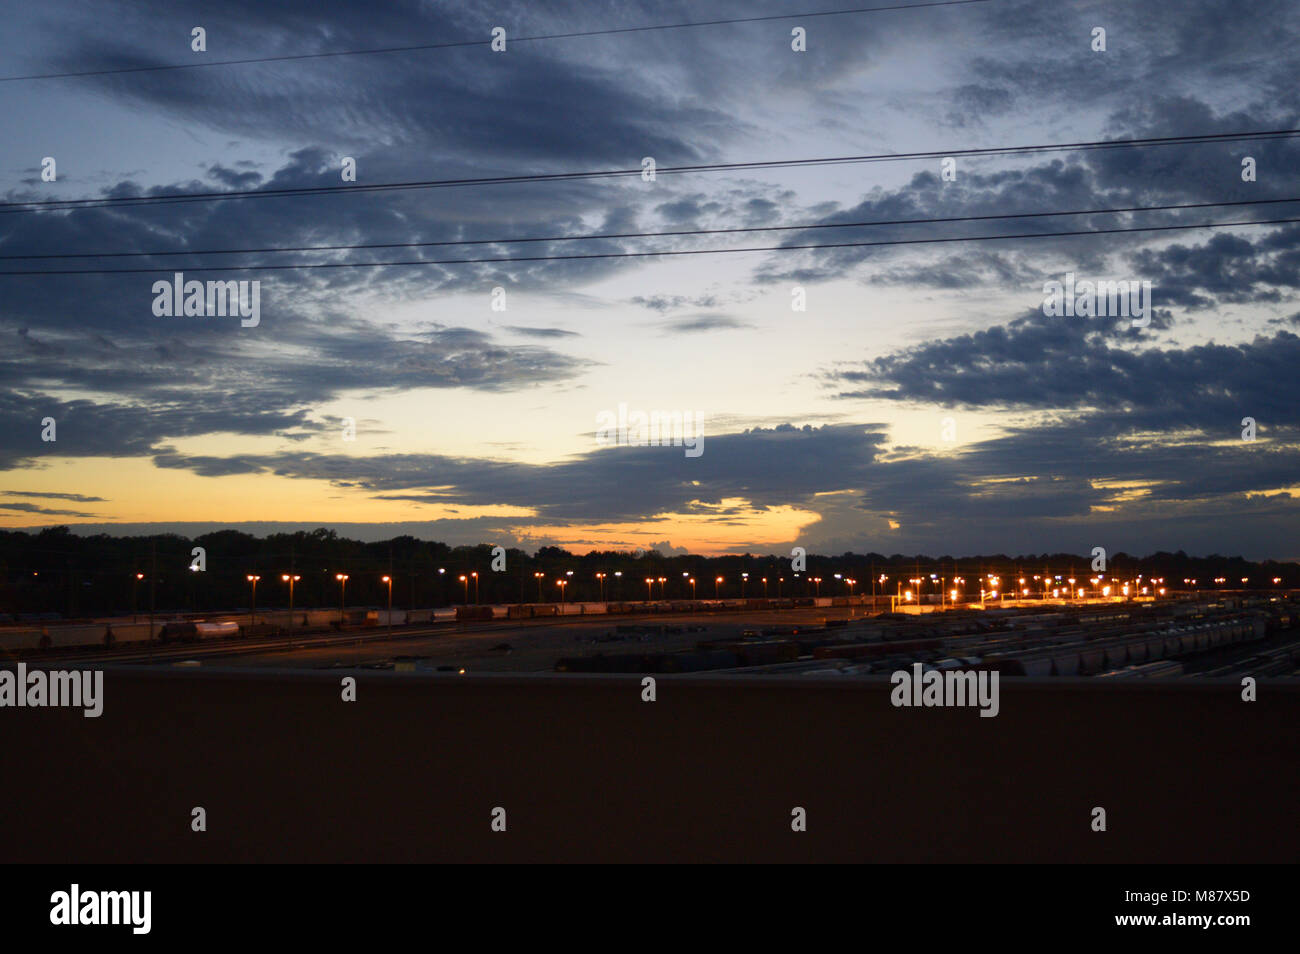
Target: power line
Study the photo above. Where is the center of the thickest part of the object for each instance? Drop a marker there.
(667, 234)
(666, 253)
(465, 43)
(66, 204)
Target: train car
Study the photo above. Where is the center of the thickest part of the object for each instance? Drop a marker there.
(192, 631)
(1163, 669)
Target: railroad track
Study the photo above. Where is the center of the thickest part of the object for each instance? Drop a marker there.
(163, 652)
(238, 646)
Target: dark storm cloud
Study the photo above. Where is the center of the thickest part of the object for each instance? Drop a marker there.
(1045, 363)
(232, 179)
(1226, 268)
(1043, 52)
(85, 428)
(247, 375)
(1162, 75)
(1092, 180)
(769, 467)
(1046, 482)
(490, 105)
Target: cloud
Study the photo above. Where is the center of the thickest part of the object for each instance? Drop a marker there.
(694, 324)
(35, 508)
(1041, 363)
(540, 332)
(79, 498)
(665, 303)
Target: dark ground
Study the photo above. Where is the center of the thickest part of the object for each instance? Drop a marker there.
(587, 771)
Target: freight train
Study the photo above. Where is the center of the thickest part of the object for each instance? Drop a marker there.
(192, 631)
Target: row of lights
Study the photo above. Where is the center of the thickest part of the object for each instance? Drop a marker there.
(994, 583)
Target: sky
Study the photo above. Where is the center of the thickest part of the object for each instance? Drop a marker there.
(922, 401)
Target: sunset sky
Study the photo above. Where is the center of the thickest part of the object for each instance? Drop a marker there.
(822, 428)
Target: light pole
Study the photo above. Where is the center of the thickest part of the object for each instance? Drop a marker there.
(764, 587)
(389, 581)
(663, 590)
(648, 584)
(817, 581)
(291, 580)
(717, 585)
(252, 614)
(600, 578)
(135, 585)
(561, 584)
(464, 579)
(539, 577)
(692, 587)
(744, 578)
(779, 581)
(343, 590)
(475, 575)
(618, 575)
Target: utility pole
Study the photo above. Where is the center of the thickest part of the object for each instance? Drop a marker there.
(153, 580)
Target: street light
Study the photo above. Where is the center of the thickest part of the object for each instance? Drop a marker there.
(764, 587)
(717, 584)
(663, 593)
(135, 618)
(744, 578)
(692, 587)
(465, 580)
(601, 578)
(252, 614)
(475, 575)
(649, 582)
(291, 580)
(561, 584)
(343, 589)
(539, 577)
(389, 581)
